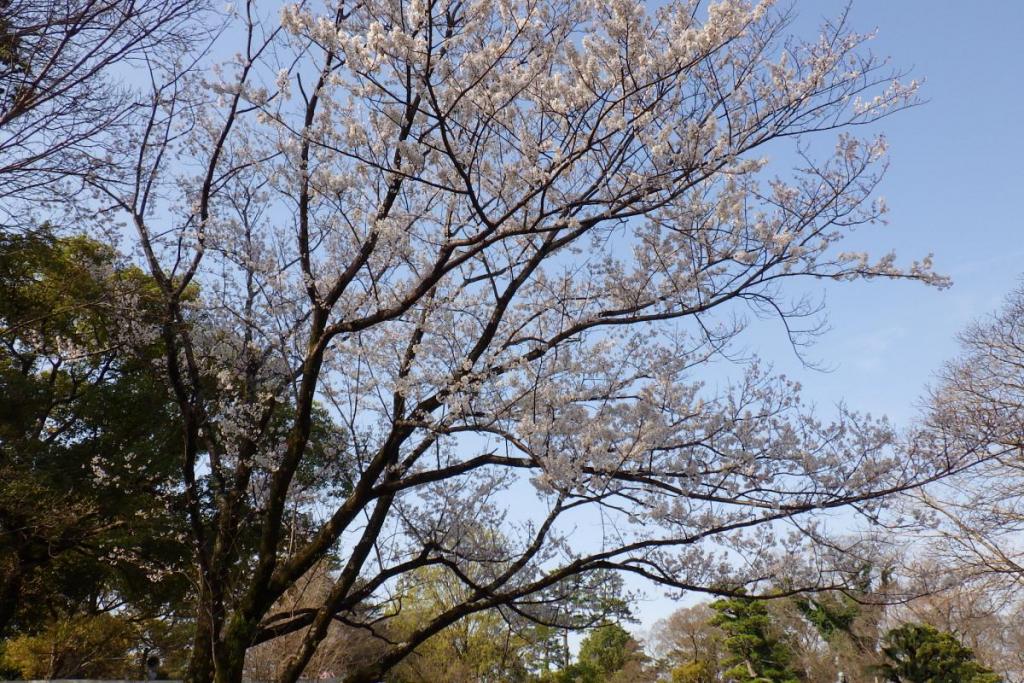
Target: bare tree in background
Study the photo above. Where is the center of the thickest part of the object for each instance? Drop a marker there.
(342, 649)
(970, 527)
(507, 245)
(62, 101)
(687, 638)
(975, 521)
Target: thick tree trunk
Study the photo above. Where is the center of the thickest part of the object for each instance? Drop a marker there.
(229, 661)
(218, 658)
(229, 650)
(200, 663)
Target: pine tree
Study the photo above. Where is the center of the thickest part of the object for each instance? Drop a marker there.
(754, 653)
(922, 654)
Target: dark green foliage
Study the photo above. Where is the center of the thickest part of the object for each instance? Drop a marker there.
(91, 513)
(88, 440)
(831, 615)
(754, 652)
(609, 654)
(918, 653)
(608, 648)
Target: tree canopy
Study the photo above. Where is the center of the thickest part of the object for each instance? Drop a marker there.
(923, 654)
(88, 436)
(755, 653)
(431, 308)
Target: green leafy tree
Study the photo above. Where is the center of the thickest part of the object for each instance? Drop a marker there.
(9, 40)
(609, 654)
(91, 515)
(93, 646)
(489, 645)
(695, 671)
(754, 652)
(610, 649)
(87, 438)
(523, 644)
(918, 653)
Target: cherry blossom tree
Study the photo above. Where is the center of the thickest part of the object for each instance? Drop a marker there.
(507, 246)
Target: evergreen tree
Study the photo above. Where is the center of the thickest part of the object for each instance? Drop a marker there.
(754, 652)
(609, 654)
(90, 517)
(918, 653)
(609, 648)
(87, 439)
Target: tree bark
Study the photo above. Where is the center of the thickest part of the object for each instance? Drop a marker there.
(200, 663)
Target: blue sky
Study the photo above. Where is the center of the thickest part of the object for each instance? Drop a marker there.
(953, 188)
